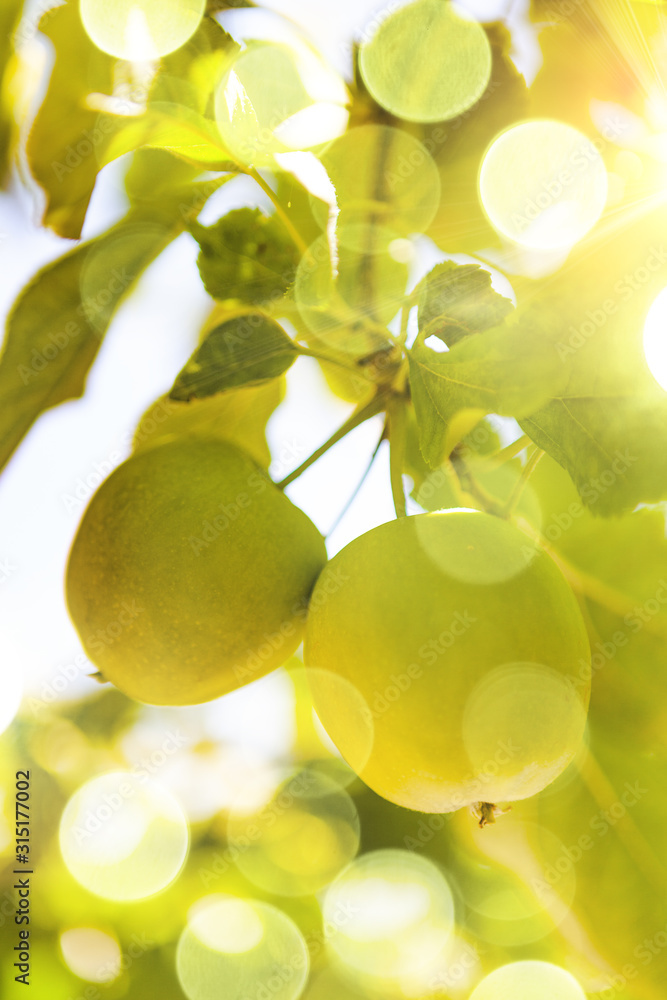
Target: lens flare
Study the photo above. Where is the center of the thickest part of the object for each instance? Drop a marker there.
(482, 552)
(545, 866)
(519, 705)
(336, 291)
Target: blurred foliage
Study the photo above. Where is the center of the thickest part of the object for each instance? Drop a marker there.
(10, 15)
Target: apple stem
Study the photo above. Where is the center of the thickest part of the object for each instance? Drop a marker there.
(331, 359)
(486, 812)
(511, 451)
(522, 482)
(471, 492)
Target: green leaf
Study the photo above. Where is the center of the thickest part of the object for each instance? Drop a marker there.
(607, 424)
(190, 75)
(458, 300)
(155, 175)
(71, 140)
(179, 116)
(507, 370)
(299, 205)
(246, 349)
(247, 256)
(481, 440)
(610, 436)
(67, 137)
(237, 415)
(104, 716)
(175, 128)
(57, 324)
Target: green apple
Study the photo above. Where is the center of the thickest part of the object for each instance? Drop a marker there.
(190, 573)
(470, 655)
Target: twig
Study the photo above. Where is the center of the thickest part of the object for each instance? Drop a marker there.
(360, 416)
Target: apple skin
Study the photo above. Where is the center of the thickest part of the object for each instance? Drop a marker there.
(470, 654)
(190, 573)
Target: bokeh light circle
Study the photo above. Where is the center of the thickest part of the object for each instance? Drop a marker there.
(122, 837)
(529, 981)
(338, 292)
(543, 863)
(427, 62)
(91, 954)
(140, 30)
(315, 747)
(239, 948)
(482, 550)
(387, 915)
(518, 706)
(501, 909)
(343, 700)
(543, 184)
(655, 339)
(276, 99)
(386, 181)
(300, 840)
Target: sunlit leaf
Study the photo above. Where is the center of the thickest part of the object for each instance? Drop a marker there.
(175, 128)
(67, 136)
(606, 423)
(505, 371)
(57, 324)
(155, 175)
(177, 116)
(78, 128)
(457, 300)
